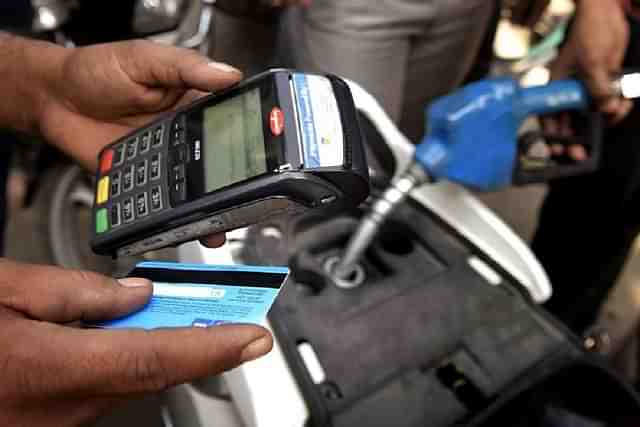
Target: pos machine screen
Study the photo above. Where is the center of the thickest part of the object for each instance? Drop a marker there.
(234, 142)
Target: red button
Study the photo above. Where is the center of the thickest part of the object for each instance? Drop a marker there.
(106, 161)
(276, 121)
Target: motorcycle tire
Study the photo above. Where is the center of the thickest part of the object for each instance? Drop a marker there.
(66, 201)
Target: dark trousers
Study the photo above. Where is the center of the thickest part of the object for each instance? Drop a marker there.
(588, 224)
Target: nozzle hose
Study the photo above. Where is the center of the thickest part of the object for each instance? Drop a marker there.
(373, 220)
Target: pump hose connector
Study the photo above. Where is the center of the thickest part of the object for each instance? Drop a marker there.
(381, 209)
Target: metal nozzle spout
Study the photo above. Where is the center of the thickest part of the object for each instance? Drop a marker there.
(371, 223)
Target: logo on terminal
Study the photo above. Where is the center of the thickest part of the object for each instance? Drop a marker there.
(276, 121)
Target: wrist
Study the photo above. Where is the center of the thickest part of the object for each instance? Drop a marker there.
(46, 63)
(30, 69)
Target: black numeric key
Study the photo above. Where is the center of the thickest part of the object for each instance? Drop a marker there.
(178, 173)
(116, 180)
(141, 173)
(180, 154)
(179, 189)
(156, 199)
(177, 138)
(145, 142)
(155, 167)
(127, 210)
(142, 208)
(158, 136)
(118, 157)
(132, 149)
(116, 215)
(127, 179)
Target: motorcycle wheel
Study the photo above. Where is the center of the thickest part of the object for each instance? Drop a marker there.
(66, 201)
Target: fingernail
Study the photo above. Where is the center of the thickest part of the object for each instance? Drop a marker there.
(225, 68)
(256, 349)
(134, 283)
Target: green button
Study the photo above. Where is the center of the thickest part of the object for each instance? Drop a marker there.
(102, 221)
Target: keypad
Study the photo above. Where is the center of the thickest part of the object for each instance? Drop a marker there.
(123, 191)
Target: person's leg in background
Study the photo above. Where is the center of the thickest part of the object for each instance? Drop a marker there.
(442, 57)
(406, 53)
(247, 43)
(588, 224)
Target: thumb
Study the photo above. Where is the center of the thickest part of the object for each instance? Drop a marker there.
(565, 64)
(58, 295)
(138, 361)
(156, 65)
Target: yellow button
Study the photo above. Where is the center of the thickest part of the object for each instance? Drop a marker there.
(103, 190)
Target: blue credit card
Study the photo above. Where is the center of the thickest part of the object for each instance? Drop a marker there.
(192, 295)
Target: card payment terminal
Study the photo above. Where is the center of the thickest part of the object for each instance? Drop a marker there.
(280, 143)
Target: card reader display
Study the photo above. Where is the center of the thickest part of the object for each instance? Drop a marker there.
(234, 143)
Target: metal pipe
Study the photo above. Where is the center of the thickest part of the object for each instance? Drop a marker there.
(382, 208)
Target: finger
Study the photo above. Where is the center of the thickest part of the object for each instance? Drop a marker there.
(126, 362)
(214, 241)
(564, 65)
(625, 108)
(610, 105)
(578, 153)
(58, 295)
(156, 65)
(598, 80)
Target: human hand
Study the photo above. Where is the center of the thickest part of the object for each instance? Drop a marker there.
(596, 48)
(103, 92)
(100, 93)
(57, 375)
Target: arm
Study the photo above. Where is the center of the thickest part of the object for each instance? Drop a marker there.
(25, 66)
(596, 48)
(83, 99)
(56, 375)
